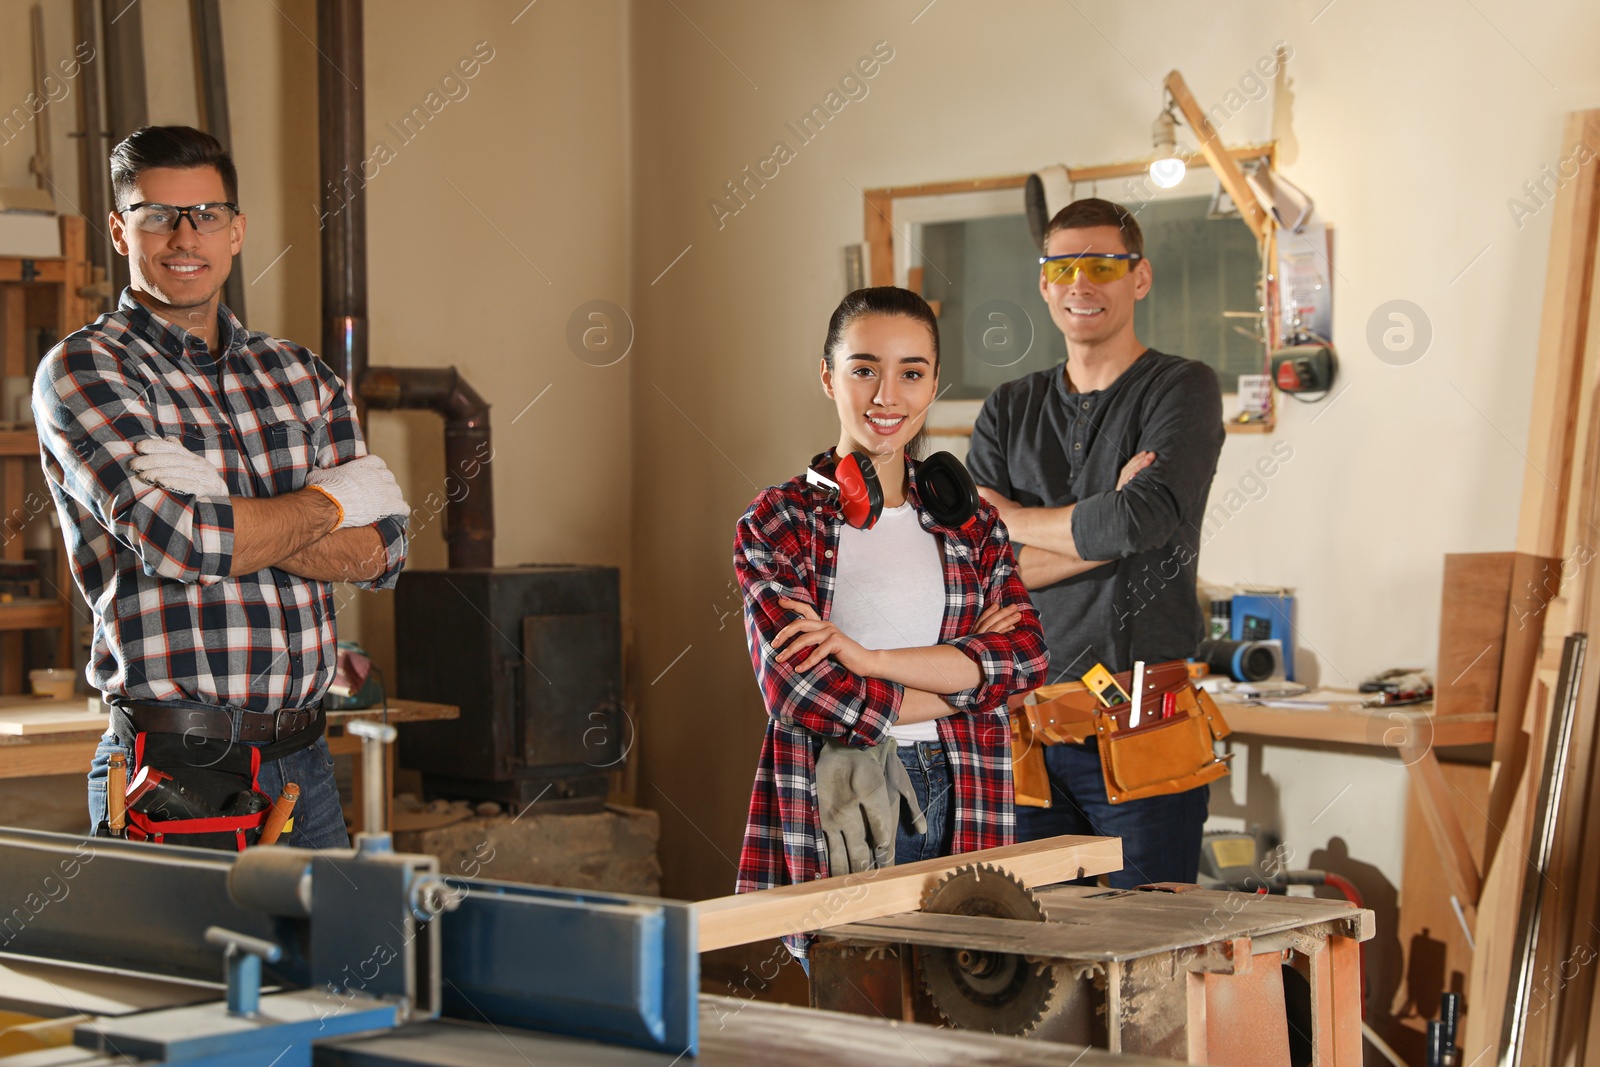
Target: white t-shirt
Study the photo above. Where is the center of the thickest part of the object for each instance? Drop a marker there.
(889, 592)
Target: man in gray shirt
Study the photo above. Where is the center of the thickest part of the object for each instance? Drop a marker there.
(1100, 469)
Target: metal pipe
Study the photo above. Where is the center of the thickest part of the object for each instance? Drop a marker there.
(93, 181)
(341, 80)
(211, 72)
(468, 450)
(374, 793)
(1546, 811)
(341, 138)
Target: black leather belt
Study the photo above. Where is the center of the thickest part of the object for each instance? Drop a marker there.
(216, 724)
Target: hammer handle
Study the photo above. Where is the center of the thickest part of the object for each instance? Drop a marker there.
(117, 794)
(281, 810)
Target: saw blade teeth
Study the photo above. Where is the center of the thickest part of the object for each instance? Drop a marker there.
(957, 890)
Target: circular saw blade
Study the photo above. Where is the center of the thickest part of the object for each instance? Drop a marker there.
(977, 988)
(983, 889)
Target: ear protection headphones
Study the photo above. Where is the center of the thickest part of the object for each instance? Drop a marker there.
(947, 490)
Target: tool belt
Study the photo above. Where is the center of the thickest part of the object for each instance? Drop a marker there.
(1155, 758)
(211, 793)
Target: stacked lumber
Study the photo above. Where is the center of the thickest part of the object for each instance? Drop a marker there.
(1559, 527)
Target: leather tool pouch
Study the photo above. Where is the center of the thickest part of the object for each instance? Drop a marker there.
(1157, 757)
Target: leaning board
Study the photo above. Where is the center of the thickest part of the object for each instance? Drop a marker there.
(792, 909)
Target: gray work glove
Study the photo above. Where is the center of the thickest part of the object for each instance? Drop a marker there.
(169, 465)
(859, 791)
(364, 488)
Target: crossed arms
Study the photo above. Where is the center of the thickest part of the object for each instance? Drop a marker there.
(174, 510)
(803, 675)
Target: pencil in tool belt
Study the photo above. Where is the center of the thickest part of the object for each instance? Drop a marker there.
(282, 808)
(1138, 693)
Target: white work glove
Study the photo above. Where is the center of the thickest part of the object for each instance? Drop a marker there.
(363, 487)
(165, 463)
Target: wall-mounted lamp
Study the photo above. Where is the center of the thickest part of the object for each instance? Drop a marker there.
(1167, 169)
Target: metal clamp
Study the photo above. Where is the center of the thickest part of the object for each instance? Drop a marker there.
(243, 954)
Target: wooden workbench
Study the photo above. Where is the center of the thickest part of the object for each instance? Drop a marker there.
(43, 737)
(1411, 732)
(1346, 722)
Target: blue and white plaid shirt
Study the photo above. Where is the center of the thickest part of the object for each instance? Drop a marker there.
(169, 624)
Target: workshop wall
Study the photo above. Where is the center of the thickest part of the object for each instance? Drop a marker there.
(494, 208)
(1407, 149)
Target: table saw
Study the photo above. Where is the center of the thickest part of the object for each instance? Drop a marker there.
(276, 956)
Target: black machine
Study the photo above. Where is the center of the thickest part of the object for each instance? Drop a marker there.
(533, 657)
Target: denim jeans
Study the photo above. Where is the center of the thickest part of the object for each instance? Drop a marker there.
(318, 816)
(929, 768)
(1160, 835)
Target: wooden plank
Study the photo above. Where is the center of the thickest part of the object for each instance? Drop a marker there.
(1437, 805)
(1344, 983)
(1101, 172)
(43, 717)
(1472, 631)
(740, 1030)
(94, 186)
(1535, 581)
(398, 711)
(1563, 332)
(44, 270)
(74, 310)
(1501, 895)
(32, 614)
(879, 222)
(1383, 727)
(1573, 895)
(1242, 1020)
(21, 443)
(1105, 929)
(13, 363)
(1564, 378)
(1435, 950)
(56, 757)
(1228, 172)
(791, 909)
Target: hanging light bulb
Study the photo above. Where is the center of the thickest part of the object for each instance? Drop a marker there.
(1167, 169)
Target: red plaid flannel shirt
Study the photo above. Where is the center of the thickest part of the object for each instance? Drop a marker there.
(786, 546)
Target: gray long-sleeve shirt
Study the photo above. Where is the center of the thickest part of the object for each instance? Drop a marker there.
(1042, 446)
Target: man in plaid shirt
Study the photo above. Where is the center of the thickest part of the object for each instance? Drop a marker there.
(786, 548)
(212, 484)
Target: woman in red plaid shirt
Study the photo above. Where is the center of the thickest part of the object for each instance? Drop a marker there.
(884, 655)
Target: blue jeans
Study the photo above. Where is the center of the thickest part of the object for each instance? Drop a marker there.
(1160, 835)
(929, 768)
(318, 815)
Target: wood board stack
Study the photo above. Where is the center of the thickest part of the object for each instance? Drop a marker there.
(1559, 536)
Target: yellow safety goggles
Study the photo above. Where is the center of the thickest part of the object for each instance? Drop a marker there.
(1097, 268)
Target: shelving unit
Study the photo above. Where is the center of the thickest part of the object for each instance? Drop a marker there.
(35, 294)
